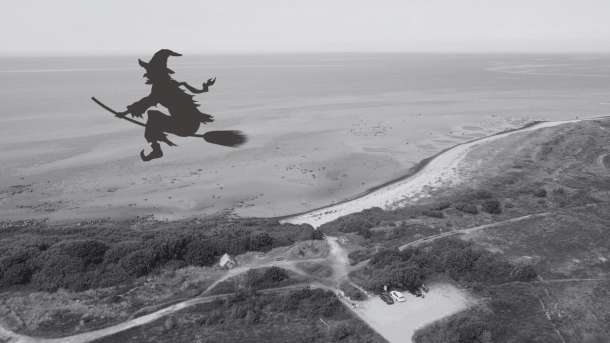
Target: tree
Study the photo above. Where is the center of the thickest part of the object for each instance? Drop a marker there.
(467, 208)
(199, 253)
(260, 241)
(492, 206)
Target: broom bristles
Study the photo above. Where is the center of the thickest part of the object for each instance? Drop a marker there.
(231, 138)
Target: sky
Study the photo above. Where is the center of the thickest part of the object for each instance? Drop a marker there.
(243, 26)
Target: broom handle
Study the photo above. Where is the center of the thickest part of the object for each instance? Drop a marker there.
(119, 115)
(128, 119)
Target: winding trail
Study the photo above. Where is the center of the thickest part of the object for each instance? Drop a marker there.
(600, 162)
(442, 170)
(12, 337)
(487, 226)
(337, 258)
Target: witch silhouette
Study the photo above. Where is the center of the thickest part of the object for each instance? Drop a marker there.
(184, 119)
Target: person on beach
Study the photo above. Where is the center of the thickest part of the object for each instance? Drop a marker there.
(185, 118)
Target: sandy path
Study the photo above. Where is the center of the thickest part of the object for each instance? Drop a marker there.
(442, 170)
(487, 226)
(600, 162)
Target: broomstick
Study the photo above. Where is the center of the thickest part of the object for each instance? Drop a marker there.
(230, 138)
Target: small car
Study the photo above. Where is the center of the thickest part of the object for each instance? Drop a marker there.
(416, 292)
(397, 296)
(386, 298)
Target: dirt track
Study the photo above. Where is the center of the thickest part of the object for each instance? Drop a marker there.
(600, 162)
(337, 259)
(487, 226)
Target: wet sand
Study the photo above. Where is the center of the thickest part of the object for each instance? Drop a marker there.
(297, 160)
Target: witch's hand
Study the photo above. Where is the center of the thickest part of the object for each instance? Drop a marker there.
(121, 114)
(210, 82)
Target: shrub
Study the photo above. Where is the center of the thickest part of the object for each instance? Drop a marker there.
(92, 252)
(441, 206)
(339, 333)
(467, 208)
(275, 274)
(365, 232)
(433, 213)
(260, 241)
(492, 206)
(483, 194)
(317, 235)
(559, 191)
(526, 273)
(541, 193)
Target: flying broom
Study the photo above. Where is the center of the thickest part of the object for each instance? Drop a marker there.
(230, 138)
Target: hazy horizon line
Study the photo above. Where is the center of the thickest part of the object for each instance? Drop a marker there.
(29, 53)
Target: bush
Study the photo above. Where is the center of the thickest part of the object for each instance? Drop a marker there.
(452, 256)
(260, 241)
(441, 206)
(365, 232)
(433, 213)
(541, 193)
(92, 252)
(339, 333)
(467, 208)
(483, 194)
(492, 206)
(526, 273)
(275, 274)
(559, 191)
(81, 258)
(317, 235)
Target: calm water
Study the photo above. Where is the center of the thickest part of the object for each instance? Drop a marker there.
(49, 123)
(33, 86)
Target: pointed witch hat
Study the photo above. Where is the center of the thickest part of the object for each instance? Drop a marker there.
(159, 61)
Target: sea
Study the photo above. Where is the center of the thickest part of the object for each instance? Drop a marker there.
(414, 104)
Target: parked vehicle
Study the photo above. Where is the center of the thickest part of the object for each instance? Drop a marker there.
(397, 296)
(416, 292)
(386, 298)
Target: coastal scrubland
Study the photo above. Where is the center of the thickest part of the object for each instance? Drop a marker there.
(537, 204)
(524, 233)
(59, 279)
(304, 315)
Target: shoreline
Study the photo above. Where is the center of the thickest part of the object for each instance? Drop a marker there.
(426, 173)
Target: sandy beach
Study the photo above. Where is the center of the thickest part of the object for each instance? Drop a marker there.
(443, 170)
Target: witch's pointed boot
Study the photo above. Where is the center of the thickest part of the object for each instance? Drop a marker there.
(156, 153)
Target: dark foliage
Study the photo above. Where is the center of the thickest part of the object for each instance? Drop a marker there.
(482, 194)
(526, 273)
(352, 292)
(459, 259)
(78, 259)
(267, 277)
(540, 193)
(339, 333)
(441, 206)
(467, 208)
(492, 206)
(433, 213)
